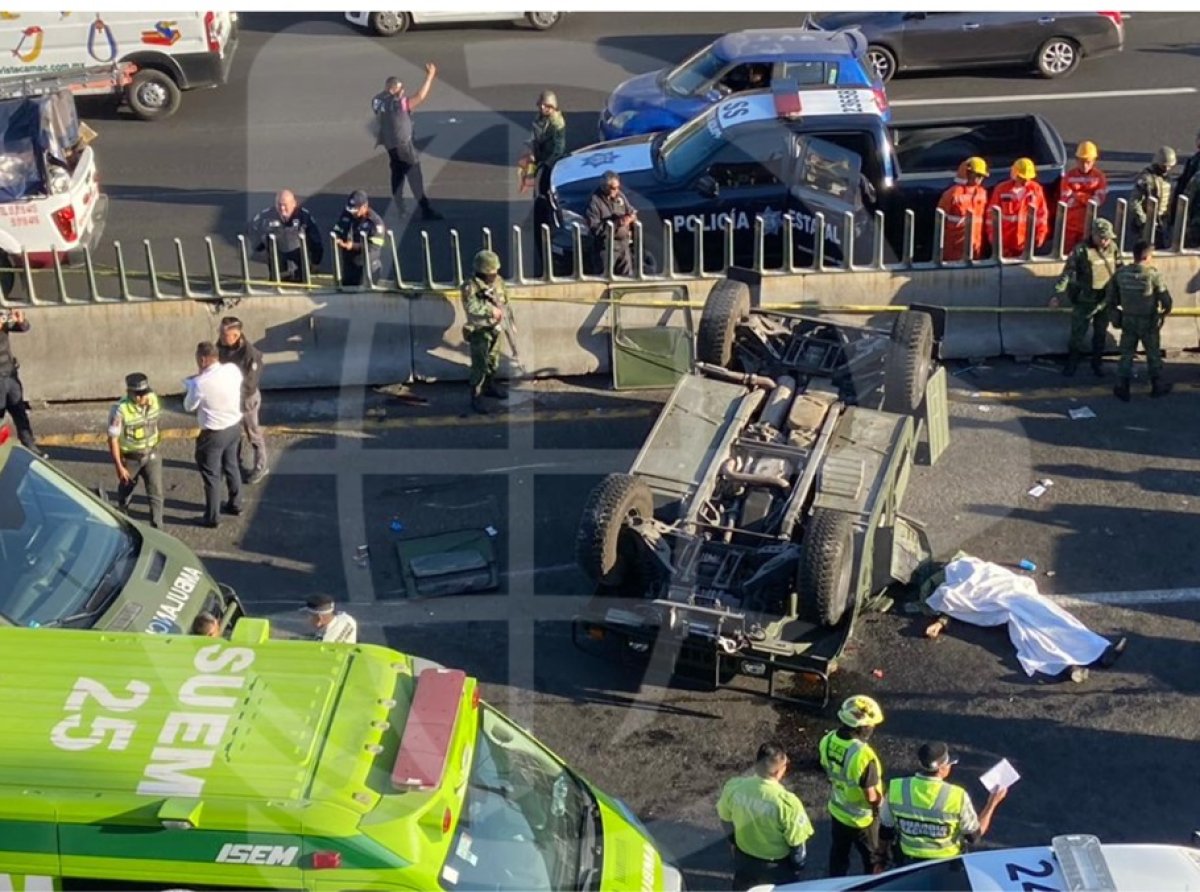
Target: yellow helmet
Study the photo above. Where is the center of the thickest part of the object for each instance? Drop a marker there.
(1023, 168)
(1087, 151)
(860, 711)
(975, 164)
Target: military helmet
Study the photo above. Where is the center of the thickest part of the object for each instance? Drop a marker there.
(1101, 228)
(860, 711)
(1165, 156)
(1087, 151)
(975, 164)
(137, 382)
(487, 262)
(1023, 168)
(548, 97)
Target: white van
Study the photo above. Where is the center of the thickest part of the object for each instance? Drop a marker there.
(173, 51)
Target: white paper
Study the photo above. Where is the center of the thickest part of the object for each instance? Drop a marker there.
(1038, 491)
(1000, 776)
(1081, 413)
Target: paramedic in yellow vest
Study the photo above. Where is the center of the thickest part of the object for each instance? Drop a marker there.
(929, 817)
(766, 823)
(856, 775)
(133, 444)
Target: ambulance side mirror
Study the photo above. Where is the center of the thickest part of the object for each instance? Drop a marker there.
(707, 187)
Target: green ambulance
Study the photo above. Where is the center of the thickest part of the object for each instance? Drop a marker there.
(68, 559)
(136, 761)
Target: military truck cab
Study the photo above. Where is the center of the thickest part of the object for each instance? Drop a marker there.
(69, 559)
(175, 761)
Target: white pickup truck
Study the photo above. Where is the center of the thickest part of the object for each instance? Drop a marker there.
(50, 200)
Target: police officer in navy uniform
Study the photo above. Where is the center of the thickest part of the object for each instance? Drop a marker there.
(133, 438)
(12, 394)
(359, 234)
(295, 231)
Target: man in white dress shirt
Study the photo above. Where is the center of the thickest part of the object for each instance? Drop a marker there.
(214, 393)
(328, 623)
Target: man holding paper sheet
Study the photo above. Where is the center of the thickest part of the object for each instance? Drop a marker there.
(930, 817)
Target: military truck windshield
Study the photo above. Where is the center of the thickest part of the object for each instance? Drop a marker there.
(527, 823)
(695, 72)
(62, 557)
(684, 149)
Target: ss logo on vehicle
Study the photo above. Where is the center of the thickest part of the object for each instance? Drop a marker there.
(735, 109)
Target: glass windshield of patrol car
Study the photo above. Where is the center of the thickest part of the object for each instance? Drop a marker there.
(828, 169)
(527, 821)
(61, 555)
(684, 149)
(694, 73)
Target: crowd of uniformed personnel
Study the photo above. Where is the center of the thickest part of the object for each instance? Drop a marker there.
(905, 820)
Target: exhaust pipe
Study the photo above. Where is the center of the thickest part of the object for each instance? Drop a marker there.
(723, 374)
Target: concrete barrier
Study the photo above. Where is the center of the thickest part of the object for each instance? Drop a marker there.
(1182, 274)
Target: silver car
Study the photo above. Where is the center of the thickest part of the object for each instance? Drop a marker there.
(387, 24)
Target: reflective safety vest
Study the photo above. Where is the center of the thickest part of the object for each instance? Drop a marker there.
(1077, 190)
(139, 427)
(925, 814)
(844, 762)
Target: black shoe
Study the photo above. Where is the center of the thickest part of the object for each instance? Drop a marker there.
(479, 406)
(1097, 368)
(1121, 391)
(208, 524)
(1113, 653)
(429, 213)
(228, 508)
(495, 392)
(257, 475)
(1159, 387)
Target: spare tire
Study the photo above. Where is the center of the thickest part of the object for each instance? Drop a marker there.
(728, 304)
(907, 366)
(824, 577)
(605, 547)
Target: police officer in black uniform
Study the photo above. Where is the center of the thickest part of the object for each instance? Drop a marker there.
(359, 233)
(295, 231)
(12, 393)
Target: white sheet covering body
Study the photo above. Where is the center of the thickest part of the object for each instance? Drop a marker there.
(1047, 638)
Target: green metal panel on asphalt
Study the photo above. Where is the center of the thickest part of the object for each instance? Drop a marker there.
(937, 414)
(646, 357)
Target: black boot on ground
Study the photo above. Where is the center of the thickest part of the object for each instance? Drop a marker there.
(1071, 365)
(1121, 391)
(495, 391)
(1159, 387)
(478, 405)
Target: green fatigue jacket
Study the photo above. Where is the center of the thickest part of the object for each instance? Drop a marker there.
(1193, 218)
(1138, 289)
(1088, 269)
(548, 141)
(768, 819)
(478, 305)
(1150, 184)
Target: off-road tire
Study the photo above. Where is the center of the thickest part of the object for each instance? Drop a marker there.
(728, 304)
(906, 368)
(826, 573)
(605, 547)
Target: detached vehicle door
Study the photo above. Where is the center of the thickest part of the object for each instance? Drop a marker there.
(826, 178)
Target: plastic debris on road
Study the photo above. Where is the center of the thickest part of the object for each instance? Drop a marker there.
(1081, 413)
(396, 525)
(1039, 489)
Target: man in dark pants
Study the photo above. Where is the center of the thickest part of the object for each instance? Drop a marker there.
(856, 776)
(133, 439)
(214, 393)
(12, 394)
(234, 348)
(360, 235)
(393, 114)
(609, 205)
(547, 143)
(295, 231)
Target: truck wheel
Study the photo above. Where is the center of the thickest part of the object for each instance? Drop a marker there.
(153, 95)
(882, 62)
(824, 577)
(542, 21)
(728, 304)
(906, 369)
(389, 24)
(1057, 57)
(605, 547)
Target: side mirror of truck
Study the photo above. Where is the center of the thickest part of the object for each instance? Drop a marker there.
(707, 187)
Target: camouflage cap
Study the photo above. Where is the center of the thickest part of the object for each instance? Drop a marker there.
(1101, 228)
(487, 262)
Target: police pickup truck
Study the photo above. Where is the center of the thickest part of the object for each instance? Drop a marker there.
(786, 155)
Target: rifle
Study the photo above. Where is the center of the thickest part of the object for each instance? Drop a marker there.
(507, 323)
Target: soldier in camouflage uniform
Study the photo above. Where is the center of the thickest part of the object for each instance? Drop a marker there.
(1140, 296)
(1152, 183)
(1089, 268)
(547, 143)
(485, 303)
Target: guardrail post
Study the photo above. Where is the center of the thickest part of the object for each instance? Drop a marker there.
(789, 243)
(1178, 227)
(183, 275)
(337, 261)
(1150, 230)
(59, 281)
(1090, 213)
(698, 251)
(213, 271)
(427, 258)
(577, 248)
(456, 258)
(877, 245)
(727, 252)
(547, 251)
(1059, 237)
(1030, 229)
(758, 258)
(247, 288)
(668, 269)
(89, 270)
(850, 239)
(1119, 223)
(305, 263)
(819, 241)
(274, 269)
(152, 271)
(399, 273)
(485, 238)
(368, 272)
(639, 248)
(939, 237)
(122, 273)
(518, 255)
(30, 287)
(609, 238)
(998, 228)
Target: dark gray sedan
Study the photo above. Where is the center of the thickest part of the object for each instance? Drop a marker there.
(1051, 42)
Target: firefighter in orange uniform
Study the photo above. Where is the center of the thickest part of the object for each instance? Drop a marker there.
(1016, 197)
(967, 198)
(1083, 183)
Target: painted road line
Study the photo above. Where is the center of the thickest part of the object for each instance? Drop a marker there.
(1041, 97)
(1143, 598)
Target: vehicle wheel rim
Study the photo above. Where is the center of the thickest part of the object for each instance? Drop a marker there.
(153, 95)
(880, 65)
(544, 19)
(1058, 57)
(389, 21)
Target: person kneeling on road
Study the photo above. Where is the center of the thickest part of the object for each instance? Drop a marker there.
(329, 624)
(133, 439)
(766, 823)
(929, 817)
(485, 304)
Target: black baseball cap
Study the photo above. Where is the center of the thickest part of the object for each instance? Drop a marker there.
(136, 382)
(935, 755)
(357, 199)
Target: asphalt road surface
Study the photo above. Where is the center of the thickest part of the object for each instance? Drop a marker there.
(1112, 756)
(296, 112)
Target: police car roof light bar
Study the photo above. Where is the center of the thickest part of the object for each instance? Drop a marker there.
(425, 747)
(787, 100)
(1081, 860)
